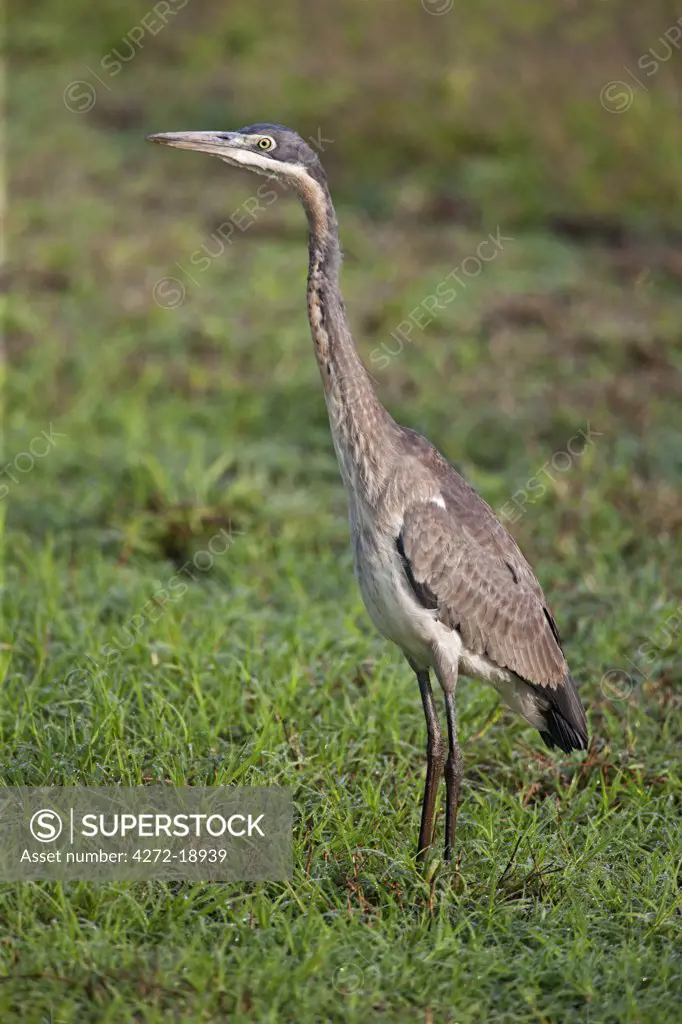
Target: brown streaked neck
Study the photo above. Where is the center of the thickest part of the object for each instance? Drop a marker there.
(362, 430)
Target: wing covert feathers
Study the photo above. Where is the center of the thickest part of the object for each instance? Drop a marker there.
(461, 561)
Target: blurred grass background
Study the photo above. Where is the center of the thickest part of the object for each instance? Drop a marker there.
(489, 104)
(174, 420)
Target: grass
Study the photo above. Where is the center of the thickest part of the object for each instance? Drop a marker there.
(169, 425)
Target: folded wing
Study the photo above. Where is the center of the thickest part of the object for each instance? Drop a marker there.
(461, 561)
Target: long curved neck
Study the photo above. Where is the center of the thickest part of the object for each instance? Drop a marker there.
(364, 434)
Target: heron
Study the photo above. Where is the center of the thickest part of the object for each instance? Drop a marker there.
(439, 574)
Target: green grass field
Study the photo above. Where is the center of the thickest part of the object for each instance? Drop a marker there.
(172, 421)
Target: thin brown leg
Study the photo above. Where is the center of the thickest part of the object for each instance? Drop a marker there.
(453, 774)
(434, 763)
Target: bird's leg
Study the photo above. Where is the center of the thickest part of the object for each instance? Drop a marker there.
(453, 772)
(434, 762)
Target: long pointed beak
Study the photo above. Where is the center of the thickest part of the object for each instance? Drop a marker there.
(219, 143)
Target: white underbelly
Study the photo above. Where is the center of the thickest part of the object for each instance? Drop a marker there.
(512, 690)
(391, 606)
(417, 631)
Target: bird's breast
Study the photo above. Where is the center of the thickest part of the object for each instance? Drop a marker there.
(387, 597)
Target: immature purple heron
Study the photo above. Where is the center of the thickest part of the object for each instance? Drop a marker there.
(439, 574)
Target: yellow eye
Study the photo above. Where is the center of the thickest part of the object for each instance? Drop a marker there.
(265, 143)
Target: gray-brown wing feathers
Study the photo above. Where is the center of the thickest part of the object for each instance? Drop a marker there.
(484, 589)
(462, 562)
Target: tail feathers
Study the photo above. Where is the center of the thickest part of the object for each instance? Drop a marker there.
(565, 720)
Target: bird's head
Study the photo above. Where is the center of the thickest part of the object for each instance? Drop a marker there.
(268, 149)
